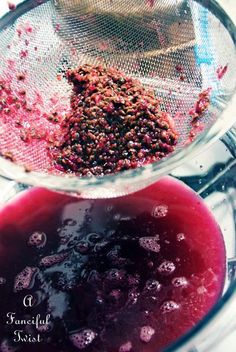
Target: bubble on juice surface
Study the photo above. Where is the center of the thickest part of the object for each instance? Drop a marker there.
(82, 247)
(100, 246)
(160, 211)
(133, 280)
(180, 237)
(94, 237)
(125, 218)
(25, 279)
(117, 217)
(115, 275)
(126, 347)
(37, 239)
(53, 259)
(146, 333)
(82, 339)
(93, 276)
(113, 254)
(201, 290)
(5, 346)
(2, 281)
(64, 240)
(179, 281)
(69, 222)
(152, 285)
(133, 296)
(99, 298)
(44, 328)
(166, 267)
(150, 244)
(150, 264)
(109, 208)
(169, 306)
(115, 294)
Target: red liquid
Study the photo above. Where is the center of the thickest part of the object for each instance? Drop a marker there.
(133, 273)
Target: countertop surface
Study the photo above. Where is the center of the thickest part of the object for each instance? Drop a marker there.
(229, 343)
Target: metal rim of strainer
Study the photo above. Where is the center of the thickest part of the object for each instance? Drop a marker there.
(68, 183)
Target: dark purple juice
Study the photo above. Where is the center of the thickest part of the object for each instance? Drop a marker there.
(118, 275)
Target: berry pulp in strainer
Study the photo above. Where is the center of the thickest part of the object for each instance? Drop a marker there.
(116, 275)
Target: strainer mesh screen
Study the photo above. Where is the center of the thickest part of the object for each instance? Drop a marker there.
(179, 48)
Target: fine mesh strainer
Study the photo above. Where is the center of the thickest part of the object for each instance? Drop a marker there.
(147, 39)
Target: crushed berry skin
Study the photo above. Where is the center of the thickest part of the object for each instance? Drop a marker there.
(8, 156)
(150, 3)
(197, 112)
(221, 71)
(11, 6)
(114, 124)
(201, 105)
(179, 68)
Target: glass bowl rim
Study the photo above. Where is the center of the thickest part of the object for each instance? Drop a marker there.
(228, 296)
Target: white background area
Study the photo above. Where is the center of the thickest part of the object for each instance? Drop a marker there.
(229, 343)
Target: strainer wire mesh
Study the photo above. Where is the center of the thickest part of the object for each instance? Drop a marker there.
(146, 40)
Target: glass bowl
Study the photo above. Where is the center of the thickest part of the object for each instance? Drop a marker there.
(212, 175)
